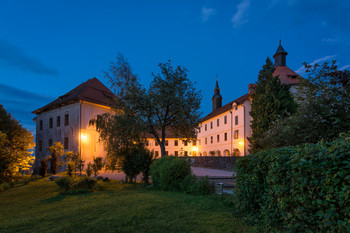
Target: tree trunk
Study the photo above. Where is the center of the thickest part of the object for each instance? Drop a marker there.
(162, 149)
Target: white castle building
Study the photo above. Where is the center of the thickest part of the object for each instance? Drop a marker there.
(223, 132)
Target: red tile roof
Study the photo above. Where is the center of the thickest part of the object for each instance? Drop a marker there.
(286, 75)
(226, 107)
(92, 90)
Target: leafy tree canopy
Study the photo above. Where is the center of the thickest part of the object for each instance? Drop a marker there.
(171, 103)
(323, 112)
(16, 145)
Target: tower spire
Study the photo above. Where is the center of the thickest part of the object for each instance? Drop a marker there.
(280, 56)
(217, 98)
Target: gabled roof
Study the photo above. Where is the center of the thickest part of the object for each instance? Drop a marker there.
(286, 75)
(226, 107)
(92, 90)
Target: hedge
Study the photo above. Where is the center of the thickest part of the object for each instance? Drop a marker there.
(297, 189)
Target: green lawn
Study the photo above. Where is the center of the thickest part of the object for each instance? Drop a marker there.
(39, 207)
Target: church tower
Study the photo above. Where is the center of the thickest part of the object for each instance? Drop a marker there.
(280, 56)
(217, 98)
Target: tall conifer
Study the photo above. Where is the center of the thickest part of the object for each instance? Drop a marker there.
(271, 100)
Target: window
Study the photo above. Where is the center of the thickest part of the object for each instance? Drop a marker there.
(50, 123)
(50, 142)
(41, 124)
(194, 153)
(40, 147)
(236, 136)
(211, 139)
(218, 138)
(176, 153)
(205, 141)
(225, 119)
(176, 143)
(217, 123)
(166, 143)
(186, 153)
(211, 125)
(205, 127)
(156, 153)
(166, 153)
(58, 121)
(156, 143)
(194, 143)
(225, 136)
(236, 120)
(184, 142)
(66, 143)
(147, 143)
(66, 120)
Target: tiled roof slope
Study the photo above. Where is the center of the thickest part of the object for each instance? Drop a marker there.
(286, 75)
(92, 90)
(226, 107)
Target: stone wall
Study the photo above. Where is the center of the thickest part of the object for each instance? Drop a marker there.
(213, 162)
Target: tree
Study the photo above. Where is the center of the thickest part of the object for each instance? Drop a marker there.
(323, 112)
(16, 145)
(271, 100)
(170, 104)
(56, 151)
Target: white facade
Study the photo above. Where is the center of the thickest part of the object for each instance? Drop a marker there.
(226, 134)
(69, 125)
(174, 146)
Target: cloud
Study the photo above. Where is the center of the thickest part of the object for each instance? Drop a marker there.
(206, 13)
(330, 40)
(16, 93)
(13, 56)
(345, 67)
(302, 69)
(240, 17)
(20, 103)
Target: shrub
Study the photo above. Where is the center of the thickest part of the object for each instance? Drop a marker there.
(43, 167)
(80, 164)
(299, 189)
(89, 169)
(68, 183)
(4, 186)
(168, 172)
(65, 183)
(97, 165)
(70, 168)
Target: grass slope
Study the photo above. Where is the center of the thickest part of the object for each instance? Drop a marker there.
(114, 207)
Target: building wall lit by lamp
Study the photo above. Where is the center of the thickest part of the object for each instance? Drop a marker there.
(241, 143)
(195, 148)
(83, 137)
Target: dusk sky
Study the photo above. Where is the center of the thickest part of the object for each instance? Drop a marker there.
(49, 47)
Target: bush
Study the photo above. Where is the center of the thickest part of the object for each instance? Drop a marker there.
(168, 173)
(299, 189)
(70, 168)
(68, 183)
(89, 169)
(97, 165)
(4, 186)
(43, 167)
(192, 185)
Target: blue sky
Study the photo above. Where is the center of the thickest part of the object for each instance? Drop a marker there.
(49, 47)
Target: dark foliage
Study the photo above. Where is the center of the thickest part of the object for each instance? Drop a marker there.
(43, 167)
(297, 189)
(271, 100)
